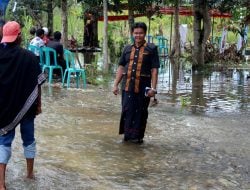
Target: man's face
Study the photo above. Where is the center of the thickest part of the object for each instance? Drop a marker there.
(139, 35)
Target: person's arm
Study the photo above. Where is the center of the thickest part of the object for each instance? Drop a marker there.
(154, 72)
(118, 79)
(154, 79)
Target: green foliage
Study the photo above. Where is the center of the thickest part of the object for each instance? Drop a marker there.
(27, 21)
(238, 8)
(92, 73)
(95, 7)
(116, 41)
(185, 101)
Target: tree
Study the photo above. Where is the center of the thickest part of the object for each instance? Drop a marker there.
(133, 6)
(202, 29)
(64, 13)
(147, 7)
(50, 15)
(105, 36)
(176, 51)
(36, 10)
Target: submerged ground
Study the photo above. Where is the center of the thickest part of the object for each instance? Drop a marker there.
(187, 146)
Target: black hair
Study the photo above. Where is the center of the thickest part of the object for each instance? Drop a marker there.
(139, 25)
(57, 35)
(33, 31)
(39, 32)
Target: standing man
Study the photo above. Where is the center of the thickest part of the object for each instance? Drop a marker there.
(138, 67)
(20, 97)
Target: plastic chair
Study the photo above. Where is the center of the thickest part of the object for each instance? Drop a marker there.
(162, 45)
(47, 65)
(37, 50)
(150, 38)
(71, 68)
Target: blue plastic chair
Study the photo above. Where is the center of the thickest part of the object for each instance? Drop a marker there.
(162, 45)
(35, 50)
(71, 68)
(47, 65)
(150, 38)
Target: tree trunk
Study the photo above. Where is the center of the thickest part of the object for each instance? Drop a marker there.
(50, 16)
(175, 75)
(105, 36)
(95, 31)
(176, 51)
(64, 23)
(131, 19)
(197, 97)
(202, 29)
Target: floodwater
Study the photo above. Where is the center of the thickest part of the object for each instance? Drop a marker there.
(197, 137)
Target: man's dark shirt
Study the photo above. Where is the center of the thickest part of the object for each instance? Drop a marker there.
(150, 61)
(56, 45)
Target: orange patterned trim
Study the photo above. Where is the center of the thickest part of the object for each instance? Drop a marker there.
(131, 61)
(138, 69)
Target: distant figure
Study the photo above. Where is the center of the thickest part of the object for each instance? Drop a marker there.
(2, 22)
(37, 41)
(57, 45)
(88, 34)
(138, 67)
(20, 97)
(46, 35)
(88, 31)
(32, 32)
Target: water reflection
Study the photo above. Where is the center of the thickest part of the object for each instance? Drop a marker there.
(220, 90)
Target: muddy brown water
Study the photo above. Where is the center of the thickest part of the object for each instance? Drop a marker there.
(197, 138)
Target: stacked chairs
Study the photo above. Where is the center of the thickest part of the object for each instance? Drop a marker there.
(48, 54)
(71, 68)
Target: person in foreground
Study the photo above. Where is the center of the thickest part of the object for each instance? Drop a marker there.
(138, 71)
(20, 97)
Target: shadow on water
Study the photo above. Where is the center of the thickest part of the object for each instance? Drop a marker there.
(79, 146)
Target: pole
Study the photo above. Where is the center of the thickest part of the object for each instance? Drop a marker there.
(105, 36)
(171, 26)
(212, 40)
(149, 25)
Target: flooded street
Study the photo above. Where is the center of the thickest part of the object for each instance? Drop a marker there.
(197, 138)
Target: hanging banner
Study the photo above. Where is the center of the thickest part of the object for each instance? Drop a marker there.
(3, 6)
(242, 40)
(183, 34)
(223, 40)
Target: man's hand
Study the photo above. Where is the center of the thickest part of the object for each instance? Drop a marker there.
(151, 93)
(38, 110)
(115, 90)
